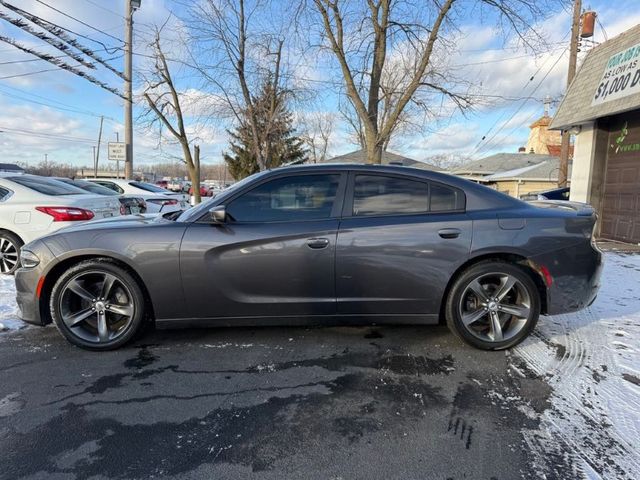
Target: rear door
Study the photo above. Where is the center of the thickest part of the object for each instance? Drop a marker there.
(399, 241)
(275, 255)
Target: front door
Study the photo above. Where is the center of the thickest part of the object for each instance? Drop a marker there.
(399, 242)
(275, 254)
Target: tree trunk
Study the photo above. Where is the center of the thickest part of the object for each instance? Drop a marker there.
(374, 152)
(194, 173)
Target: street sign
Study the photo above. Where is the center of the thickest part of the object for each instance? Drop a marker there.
(117, 151)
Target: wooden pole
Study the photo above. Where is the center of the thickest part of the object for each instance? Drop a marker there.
(573, 61)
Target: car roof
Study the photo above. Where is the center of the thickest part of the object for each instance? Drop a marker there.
(389, 169)
(114, 180)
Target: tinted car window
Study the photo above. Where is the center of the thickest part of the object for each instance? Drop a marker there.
(148, 187)
(295, 198)
(3, 193)
(110, 186)
(379, 195)
(46, 186)
(444, 198)
(89, 187)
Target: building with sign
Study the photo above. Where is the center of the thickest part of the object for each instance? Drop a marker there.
(602, 108)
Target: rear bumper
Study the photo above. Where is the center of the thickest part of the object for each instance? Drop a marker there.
(576, 275)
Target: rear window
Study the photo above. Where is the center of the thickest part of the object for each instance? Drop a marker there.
(148, 187)
(46, 186)
(93, 188)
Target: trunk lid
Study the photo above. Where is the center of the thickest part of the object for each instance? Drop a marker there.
(101, 206)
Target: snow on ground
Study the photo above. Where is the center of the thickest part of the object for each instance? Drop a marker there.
(8, 309)
(591, 359)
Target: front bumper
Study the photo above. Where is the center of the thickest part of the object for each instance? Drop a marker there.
(27, 280)
(26, 297)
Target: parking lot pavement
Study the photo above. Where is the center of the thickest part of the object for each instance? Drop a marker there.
(330, 403)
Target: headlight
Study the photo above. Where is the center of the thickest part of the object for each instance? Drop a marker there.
(28, 259)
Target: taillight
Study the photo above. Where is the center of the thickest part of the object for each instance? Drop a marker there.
(163, 202)
(67, 214)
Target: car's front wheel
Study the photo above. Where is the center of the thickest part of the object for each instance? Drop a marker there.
(493, 305)
(97, 305)
(9, 253)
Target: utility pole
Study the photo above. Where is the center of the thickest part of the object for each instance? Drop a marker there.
(117, 161)
(573, 60)
(99, 140)
(129, 6)
(95, 165)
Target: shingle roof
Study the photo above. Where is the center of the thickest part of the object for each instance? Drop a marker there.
(576, 108)
(546, 170)
(360, 156)
(501, 162)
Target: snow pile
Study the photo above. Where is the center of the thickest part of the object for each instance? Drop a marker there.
(591, 359)
(8, 309)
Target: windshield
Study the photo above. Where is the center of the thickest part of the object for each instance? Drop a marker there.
(46, 186)
(148, 187)
(196, 212)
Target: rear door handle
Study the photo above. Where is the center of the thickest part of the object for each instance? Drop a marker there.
(449, 232)
(317, 243)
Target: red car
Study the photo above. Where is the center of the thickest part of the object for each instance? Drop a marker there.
(204, 191)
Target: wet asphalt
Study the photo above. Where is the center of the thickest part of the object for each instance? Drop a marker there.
(269, 403)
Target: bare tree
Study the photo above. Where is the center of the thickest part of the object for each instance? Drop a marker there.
(165, 109)
(318, 127)
(392, 55)
(448, 161)
(251, 56)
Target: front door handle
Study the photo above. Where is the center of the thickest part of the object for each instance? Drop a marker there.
(449, 232)
(318, 243)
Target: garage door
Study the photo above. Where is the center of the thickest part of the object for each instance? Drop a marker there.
(621, 203)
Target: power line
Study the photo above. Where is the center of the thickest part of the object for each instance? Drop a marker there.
(104, 8)
(28, 60)
(60, 38)
(45, 104)
(28, 73)
(48, 135)
(79, 21)
(486, 145)
(477, 147)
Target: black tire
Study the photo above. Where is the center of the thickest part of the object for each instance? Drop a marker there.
(125, 285)
(477, 334)
(10, 245)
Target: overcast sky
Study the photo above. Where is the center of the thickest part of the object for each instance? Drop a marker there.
(44, 110)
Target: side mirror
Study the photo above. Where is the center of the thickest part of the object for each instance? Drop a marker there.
(218, 214)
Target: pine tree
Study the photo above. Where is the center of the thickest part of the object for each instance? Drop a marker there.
(278, 139)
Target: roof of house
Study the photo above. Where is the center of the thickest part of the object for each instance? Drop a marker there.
(543, 121)
(10, 167)
(545, 171)
(501, 162)
(576, 107)
(388, 158)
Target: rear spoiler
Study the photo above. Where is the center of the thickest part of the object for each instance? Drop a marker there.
(581, 209)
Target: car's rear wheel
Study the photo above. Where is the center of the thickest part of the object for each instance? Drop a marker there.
(493, 305)
(97, 305)
(10, 246)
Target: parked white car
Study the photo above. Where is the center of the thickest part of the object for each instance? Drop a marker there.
(159, 200)
(32, 206)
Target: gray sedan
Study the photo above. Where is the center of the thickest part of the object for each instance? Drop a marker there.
(321, 244)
